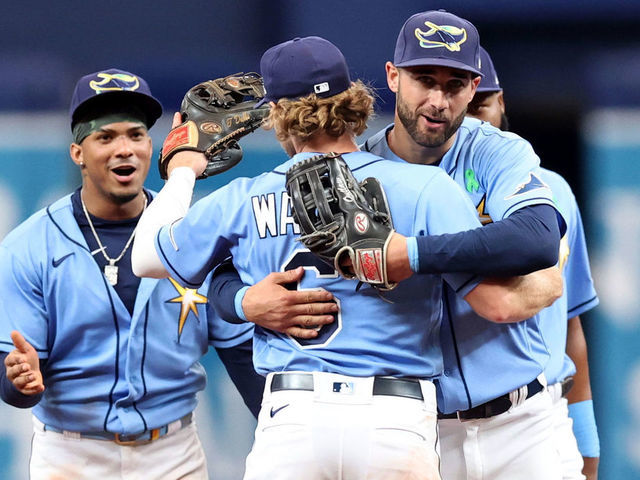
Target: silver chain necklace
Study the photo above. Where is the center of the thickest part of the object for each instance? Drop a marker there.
(110, 269)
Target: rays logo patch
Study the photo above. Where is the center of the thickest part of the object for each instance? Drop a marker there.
(113, 82)
(534, 183)
(446, 36)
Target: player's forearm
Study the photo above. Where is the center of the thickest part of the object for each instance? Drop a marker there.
(238, 361)
(524, 296)
(225, 284)
(171, 204)
(503, 301)
(577, 351)
(525, 242)
(579, 398)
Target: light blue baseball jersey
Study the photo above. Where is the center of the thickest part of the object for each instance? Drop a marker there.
(579, 294)
(500, 173)
(251, 220)
(106, 369)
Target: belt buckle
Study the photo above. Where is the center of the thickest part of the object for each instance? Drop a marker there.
(154, 435)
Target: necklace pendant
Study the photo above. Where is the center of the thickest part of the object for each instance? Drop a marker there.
(111, 273)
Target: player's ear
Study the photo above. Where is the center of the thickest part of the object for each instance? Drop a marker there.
(392, 76)
(75, 152)
(475, 81)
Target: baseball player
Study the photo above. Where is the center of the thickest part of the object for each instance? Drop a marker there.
(357, 400)
(496, 420)
(578, 297)
(108, 362)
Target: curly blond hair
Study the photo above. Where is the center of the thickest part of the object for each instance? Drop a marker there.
(346, 112)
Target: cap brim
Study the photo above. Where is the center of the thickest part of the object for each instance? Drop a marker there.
(149, 105)
(439, 62)
(488, 89)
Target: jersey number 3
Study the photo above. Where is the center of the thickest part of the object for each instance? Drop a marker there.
(326, 333)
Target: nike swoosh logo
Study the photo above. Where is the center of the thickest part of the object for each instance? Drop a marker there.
(274, 411)
(56, 263)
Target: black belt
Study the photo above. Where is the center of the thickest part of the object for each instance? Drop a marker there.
(567, 385)
(492, 407)
(396, 387)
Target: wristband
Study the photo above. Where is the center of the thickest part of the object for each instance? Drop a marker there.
(584, 428)
(238, 302)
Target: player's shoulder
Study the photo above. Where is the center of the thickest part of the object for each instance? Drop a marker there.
(563, 195)
(400, 176)
(555, 180)
(37, 223)
(478, 134)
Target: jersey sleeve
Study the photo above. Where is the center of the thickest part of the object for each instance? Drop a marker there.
(22, 305)
(510, 173)
(191, 247)
(581, 293)
(445, 208)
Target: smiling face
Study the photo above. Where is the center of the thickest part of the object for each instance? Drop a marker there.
(115, 161)
(431, 102)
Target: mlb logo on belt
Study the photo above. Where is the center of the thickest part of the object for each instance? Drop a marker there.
(343, 387)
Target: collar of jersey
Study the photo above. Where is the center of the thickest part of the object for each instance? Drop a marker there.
(355, 159)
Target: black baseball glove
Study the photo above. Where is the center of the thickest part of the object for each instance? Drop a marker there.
(215, 115)
(344, 222)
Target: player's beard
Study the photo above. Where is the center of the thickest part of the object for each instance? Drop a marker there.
(410, 119)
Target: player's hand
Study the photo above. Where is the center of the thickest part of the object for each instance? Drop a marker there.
(186, 158)
(23, 366)
(294, 312)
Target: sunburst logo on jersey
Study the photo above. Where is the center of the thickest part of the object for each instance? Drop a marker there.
(188, 298)
(446, 36)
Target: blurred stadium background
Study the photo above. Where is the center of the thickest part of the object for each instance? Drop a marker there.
(570, 69)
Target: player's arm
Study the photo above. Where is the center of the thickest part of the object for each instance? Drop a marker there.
(580, 400)
(505, 300)
(170, 205)
(269, 303)
(526, 241)
(500, 300)
(238, 361)
(21, 382)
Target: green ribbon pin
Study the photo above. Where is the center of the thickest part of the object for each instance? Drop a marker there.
(471, 182)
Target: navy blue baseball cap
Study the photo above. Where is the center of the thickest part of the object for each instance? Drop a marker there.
(113, 87)
(489, 82)
(302, 66)
(438, 38)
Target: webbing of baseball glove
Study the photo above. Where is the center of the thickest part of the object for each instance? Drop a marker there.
(215, 115)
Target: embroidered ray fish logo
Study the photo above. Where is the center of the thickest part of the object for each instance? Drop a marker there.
(533, 183)
(446, 36)
(114, 82)
(189, 298)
